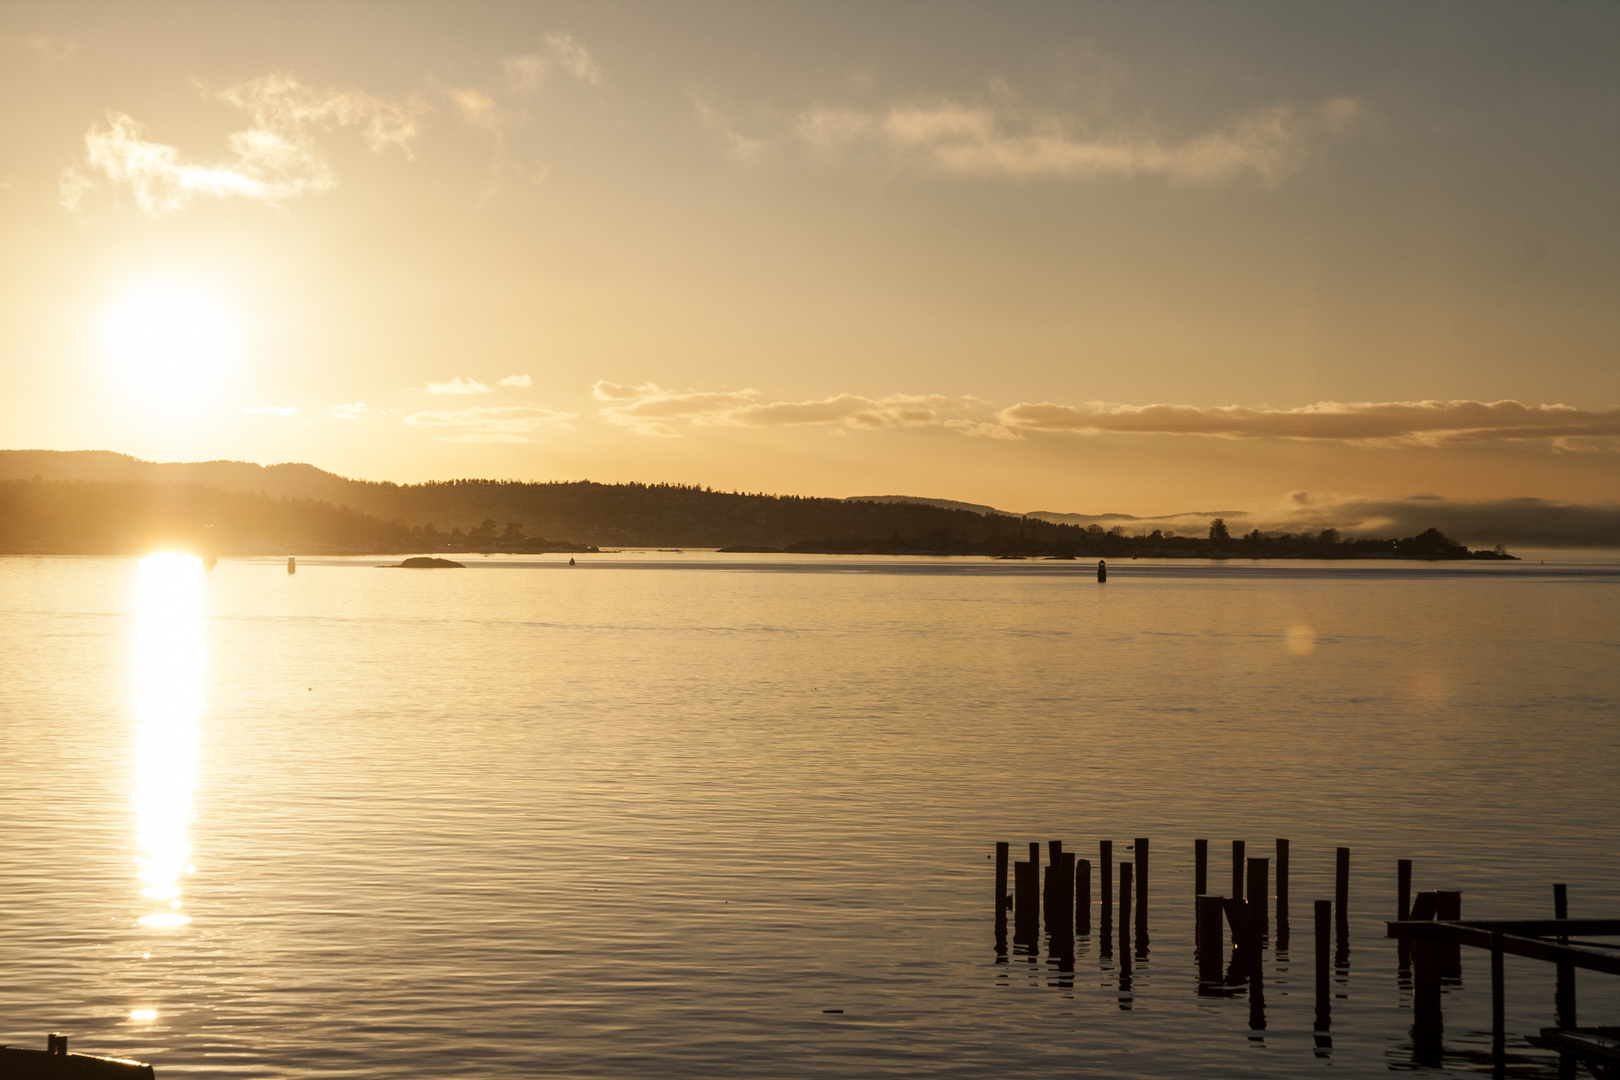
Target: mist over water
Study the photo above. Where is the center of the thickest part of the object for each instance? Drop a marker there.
(656, 814)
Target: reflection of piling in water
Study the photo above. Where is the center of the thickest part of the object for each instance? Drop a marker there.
(1257, 895)
(292, 565)
(1324, 995)
(1498, 1006)
(1282, 894)
(1082, 897)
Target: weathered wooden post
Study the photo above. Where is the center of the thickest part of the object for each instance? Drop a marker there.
(1124, 909)
(1102, 570)
(1054, 869)
(1141, 892)
(1105, 862)
(1448, 906)
(1001, 883)
(1282, 894)
(1324, 995)
(1564, 988)
(1200, 867)
(1258, 895)
(1211, 942)
(1341, 894)
(1428, 1026)
(1025, 910)
(1403, 889)
(1082, 897)
(1498, 1002)
(1237, 869)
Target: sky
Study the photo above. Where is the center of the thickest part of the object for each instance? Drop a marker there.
(1075, 257)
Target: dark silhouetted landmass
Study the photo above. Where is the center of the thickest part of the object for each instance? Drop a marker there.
(428, 562)
(93, 517)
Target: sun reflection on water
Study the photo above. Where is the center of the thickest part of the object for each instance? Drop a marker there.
(169, 660)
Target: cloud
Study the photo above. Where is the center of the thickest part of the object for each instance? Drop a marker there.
(1000, 138)
(48, 52)
(738, 147)
(350, 412)
(516, 380)
(458, 385)
(525, 74)
(273, 410)
(1522, 522)
(507, 423)
(1390, 423)
(274, 160)
(649, 408)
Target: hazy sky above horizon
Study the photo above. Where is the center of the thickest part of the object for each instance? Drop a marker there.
(1124, 257)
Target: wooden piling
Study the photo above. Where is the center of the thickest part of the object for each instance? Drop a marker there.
(1105, 863)
(1282, 894)
(1448, 906)
(1064, 909)
(1124, 906)
(1200, 867)
(1341, 890)
(1256, 893)
(292, 565)
(1026, 904)
(56, 1044)
(1324, 995)
(1428, 1025)
(1102, 570)
(1498, 999)
(1001, 883)
(1082, 897)
(1237, 869)
(1141, 891)
(1054, 870)
(1564, 987)
(1211, 942)
(1403, 889)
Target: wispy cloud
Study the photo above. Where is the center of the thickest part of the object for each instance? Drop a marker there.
(350, 412)
(738, 146)
(1389, 423)
(273, 410)
(999, 137)
(496, 108)
(48, 51)
(274, 160)
(457, 385)
(516, 381)
(507, 423)
(650, 409)
(526, 73)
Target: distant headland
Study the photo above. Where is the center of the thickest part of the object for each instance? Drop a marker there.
(98, 502)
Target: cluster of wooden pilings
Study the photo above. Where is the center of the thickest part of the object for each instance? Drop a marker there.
(1256, 916)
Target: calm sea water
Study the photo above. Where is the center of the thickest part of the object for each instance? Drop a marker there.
(656, 814)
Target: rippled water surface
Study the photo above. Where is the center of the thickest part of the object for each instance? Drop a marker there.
(657, 814)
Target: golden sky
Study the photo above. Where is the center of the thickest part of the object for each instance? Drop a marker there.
(1079, 257)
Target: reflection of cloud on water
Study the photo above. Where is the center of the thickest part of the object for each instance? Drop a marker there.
(169, 662)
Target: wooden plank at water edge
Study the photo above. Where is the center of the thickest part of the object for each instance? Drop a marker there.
(1534, 948)
(17, 1063)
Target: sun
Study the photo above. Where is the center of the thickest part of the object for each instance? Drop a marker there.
(174, 343)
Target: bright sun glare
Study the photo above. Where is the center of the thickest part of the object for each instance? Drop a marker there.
(172, 343)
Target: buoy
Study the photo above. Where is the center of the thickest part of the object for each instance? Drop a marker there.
(1102, 570)
(292, 565)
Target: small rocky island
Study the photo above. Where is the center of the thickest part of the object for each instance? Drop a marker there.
(425, 562)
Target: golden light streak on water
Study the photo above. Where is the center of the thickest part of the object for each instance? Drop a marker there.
(169, 665)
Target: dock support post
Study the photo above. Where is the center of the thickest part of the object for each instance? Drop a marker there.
(1082, 897)
(1498, 1003)
(1211, 942)
(1324, 995)
(1200, 867)
(1125, 869)
(1282, 894)
(1448, 907)
(1237, 870)
(1341, 894)
(1403, 889)
(1001, 883)
(1564, 995)
(1026, 905)
(1141, 894)
(1258, 894)
(1428, 1026)
(1105, 857)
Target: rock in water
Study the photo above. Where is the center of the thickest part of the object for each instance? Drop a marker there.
(424, 562)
